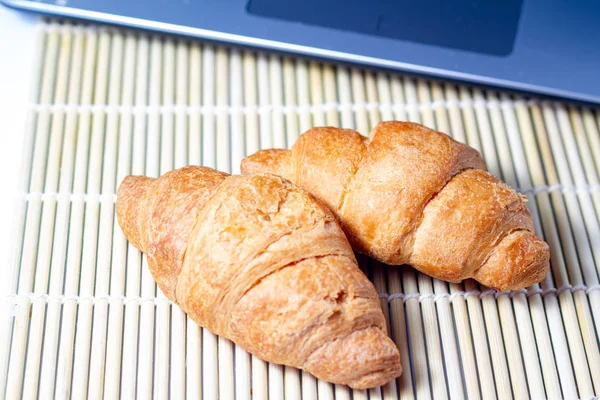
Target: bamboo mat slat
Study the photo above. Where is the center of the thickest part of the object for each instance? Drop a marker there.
(86, 320)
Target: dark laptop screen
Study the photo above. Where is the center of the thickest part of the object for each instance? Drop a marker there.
(488, 27)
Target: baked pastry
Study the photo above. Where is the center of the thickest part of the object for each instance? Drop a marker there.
(259, 261)
(411, 195)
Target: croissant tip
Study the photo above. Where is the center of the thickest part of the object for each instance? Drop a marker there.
(272, 161)
(131, 190)
(377, 378)
(520, 260)
(250, 164)
(364, 359)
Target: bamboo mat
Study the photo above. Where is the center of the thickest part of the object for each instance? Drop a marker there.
(86, 319)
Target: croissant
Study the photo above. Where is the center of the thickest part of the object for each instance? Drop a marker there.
(259, 261)
(411, 195)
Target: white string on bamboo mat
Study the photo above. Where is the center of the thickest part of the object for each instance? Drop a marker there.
(66, 196)
(283, 108)
(34, 297)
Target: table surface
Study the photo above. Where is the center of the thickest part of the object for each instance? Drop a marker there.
(17, 45)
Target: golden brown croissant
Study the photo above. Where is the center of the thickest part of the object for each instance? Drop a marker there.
(411, 195)
(259, 261)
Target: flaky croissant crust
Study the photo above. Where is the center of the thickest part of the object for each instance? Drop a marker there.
(259, 261)
(411, 195)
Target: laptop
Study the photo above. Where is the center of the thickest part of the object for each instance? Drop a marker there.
(535, 46)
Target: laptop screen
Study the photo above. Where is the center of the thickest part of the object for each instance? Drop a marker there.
(485, 27)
